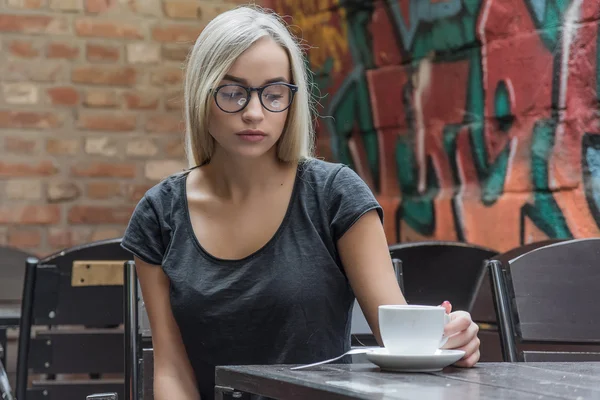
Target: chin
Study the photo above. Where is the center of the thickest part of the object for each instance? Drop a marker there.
(252, 152)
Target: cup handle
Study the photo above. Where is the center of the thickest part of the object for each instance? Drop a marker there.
(444, 339)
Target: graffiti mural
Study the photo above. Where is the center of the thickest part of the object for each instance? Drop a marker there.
(473, 120)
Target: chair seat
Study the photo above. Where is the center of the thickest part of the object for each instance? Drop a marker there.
(74, 389)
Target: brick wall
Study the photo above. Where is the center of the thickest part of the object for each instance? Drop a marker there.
(90, 112)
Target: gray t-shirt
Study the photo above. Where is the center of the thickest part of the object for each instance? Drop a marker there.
(288, 303)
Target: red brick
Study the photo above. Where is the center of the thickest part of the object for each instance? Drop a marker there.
(167, 76)
(182, 9)
(101, 53)
(103, 190)
(27, 23)
(61, 238)
(29, 214)
(23, 48)
(175, 52)
(107, 233)
(27, 168)
(175, 149)
(98, 6)
(24, 238)
(100, 99)
(33, 70)
(62, 191)
(13, 144)
(26, 4)
(99, 215)
(104, 75)
(165, 123)
(105, 170)
(136, 192)
(29, 119)
(62, 50)
(176, 33)
(89, 27)
(63, 146)
(106, 122)
(63, 96)
(141, 100)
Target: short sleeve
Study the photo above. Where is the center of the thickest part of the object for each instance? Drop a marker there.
(349, 199)
(143, 235)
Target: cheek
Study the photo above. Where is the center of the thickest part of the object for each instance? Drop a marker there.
(215, 119)
(280, 120)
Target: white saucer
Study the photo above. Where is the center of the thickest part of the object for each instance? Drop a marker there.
(413, 362)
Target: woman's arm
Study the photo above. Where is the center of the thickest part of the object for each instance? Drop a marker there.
(173, 374)
(366, 258)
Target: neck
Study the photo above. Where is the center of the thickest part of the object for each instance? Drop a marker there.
(236, 177)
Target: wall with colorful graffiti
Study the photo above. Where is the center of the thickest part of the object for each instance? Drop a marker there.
(472, 120)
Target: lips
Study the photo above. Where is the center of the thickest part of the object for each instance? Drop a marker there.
(251, 132)
(251, 135)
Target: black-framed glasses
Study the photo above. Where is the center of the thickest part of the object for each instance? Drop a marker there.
(274, 97)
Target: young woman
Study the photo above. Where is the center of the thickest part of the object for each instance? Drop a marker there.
(256, 253)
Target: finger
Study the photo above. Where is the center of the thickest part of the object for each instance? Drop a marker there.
(462, 338)
(470, 348)
(468, 362)
(459, 321)
(446, 304)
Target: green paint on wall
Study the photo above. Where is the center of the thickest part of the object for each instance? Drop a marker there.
(417, 209)
(502, 107)
(474, 116)
(545, 212)
(550, 26)
(472, 6)
(493, 185)
(447, 34)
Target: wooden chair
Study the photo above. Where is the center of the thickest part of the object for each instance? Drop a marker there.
(139, 361)
(12, 270)
(76, 296)
(436, 271)
(484, 312)
(548, 297)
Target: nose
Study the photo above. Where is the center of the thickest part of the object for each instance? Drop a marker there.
(254, 110)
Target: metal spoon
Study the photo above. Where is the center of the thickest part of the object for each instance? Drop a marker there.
(358, 350)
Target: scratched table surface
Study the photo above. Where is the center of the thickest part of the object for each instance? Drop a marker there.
(568, 380)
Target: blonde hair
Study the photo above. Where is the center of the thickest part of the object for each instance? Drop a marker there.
(223, 40)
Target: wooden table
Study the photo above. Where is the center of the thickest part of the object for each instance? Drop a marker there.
(577, 381)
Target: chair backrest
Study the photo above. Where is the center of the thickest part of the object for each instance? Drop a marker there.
(549, 295)
(435, 271)
(79, 290)
(483, 309)
(12, 271)
(82, 285)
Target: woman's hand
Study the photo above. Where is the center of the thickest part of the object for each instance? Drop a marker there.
(462, 335)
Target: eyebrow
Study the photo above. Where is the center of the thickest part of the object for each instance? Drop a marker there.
(245, 82)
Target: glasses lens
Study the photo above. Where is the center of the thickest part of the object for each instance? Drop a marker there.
(276, 98)
(231, 98)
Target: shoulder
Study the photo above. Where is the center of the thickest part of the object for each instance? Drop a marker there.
(320, 172)
(329, 176)
(166, 189)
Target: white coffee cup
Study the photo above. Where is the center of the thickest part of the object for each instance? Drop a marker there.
(412, 329)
